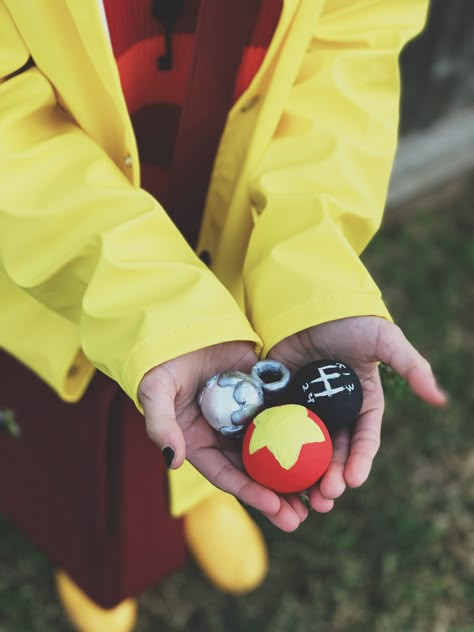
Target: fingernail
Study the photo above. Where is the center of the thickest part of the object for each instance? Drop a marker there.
(442, 391)
(445, 394)
(168, 453)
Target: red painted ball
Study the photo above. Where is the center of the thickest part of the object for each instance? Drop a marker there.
(286, 448)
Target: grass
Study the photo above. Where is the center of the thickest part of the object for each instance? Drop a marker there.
(396, 555)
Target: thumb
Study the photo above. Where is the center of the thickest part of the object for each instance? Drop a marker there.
(394, 349)
(157, 398)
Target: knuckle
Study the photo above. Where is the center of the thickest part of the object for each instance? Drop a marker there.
(153, 434)
(425, 365)
(146, 388)
(367, 442)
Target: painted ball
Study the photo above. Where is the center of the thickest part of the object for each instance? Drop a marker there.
(286, 448)
(329, 388)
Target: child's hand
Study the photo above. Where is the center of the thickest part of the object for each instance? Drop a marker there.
(173, 419)
(361, 342)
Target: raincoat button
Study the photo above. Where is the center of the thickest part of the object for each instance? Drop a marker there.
(128, 160)
(73, 371)
(205, 257)
(250, 103)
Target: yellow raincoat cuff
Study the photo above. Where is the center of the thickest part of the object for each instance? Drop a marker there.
(177, 342)
(321, 310)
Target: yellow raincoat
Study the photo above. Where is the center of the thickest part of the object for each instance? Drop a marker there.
(92, 271)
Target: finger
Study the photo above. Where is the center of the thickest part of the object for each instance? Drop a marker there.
(333, 484)
(318, 501)
(235, 457)
(283, 518)
(395, 350)
(286, 519)
(298, 506)
(221, 472)
(157, 401)
(365, 444)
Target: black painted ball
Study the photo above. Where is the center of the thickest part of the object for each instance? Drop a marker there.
(329, 388)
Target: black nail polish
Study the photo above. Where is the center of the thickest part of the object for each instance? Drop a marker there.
(168, 453)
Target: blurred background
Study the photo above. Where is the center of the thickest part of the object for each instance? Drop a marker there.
(398, 554)
(438, 65)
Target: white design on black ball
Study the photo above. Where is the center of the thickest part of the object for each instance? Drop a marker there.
(331, 389)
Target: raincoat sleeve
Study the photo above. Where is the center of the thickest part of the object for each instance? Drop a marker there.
(83, 242)
(319, 190)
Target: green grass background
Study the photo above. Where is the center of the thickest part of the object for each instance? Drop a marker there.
(395, 555)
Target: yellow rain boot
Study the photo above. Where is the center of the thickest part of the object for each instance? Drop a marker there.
(86, 616)
(226, 543)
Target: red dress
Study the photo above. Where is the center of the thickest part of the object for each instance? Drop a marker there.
(83, 481)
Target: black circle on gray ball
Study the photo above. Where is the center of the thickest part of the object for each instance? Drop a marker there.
(331, 389)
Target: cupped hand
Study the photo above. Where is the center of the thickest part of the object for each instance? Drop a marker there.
(362, 342)
(168, 394)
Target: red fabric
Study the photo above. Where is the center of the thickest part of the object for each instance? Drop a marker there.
(87, 486)
(154, 97)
